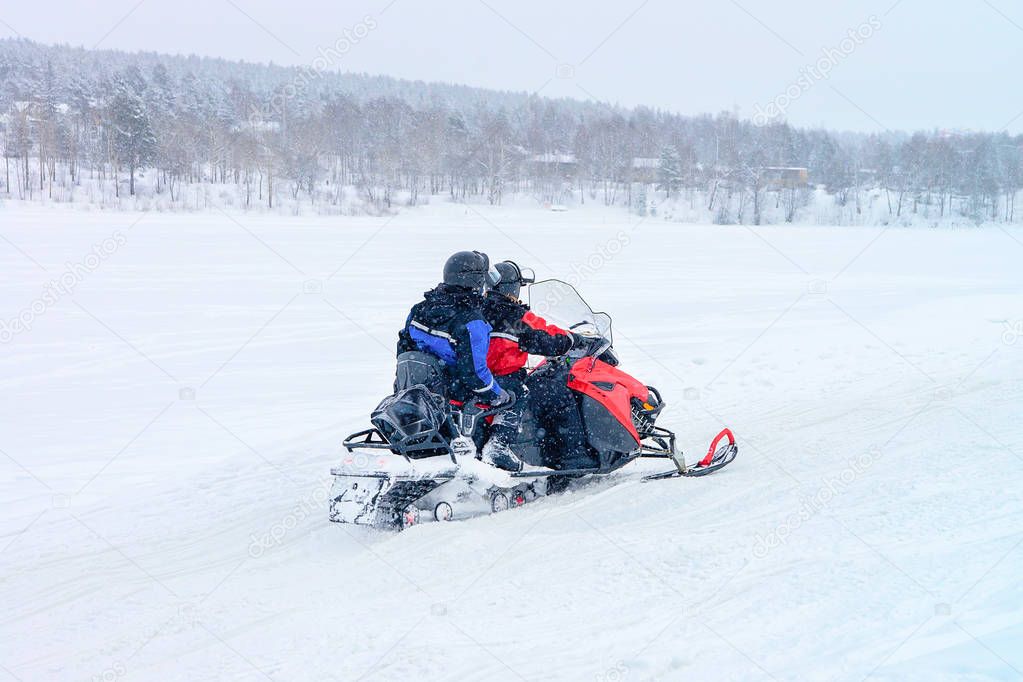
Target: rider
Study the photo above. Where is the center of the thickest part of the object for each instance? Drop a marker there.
(518, 332)
(449, 325)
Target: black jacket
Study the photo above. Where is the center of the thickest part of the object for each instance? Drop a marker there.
(513, 320)
(449, 324)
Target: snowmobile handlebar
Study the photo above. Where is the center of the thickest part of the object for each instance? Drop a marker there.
(587, 346)
(468, 414)
(487, 410)
(465, 417)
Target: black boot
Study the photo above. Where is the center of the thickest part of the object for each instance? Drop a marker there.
(497, 453)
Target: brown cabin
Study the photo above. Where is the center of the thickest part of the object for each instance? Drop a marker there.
(785, 177)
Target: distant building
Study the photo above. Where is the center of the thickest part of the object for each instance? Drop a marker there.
(645, 169)
(785, 177)
(563, 165)
(952, 133)
(866, 176)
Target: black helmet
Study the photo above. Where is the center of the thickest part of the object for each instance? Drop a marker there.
(511, 278)
(467, 269)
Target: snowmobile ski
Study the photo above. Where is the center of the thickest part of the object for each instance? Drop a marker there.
(718, 456)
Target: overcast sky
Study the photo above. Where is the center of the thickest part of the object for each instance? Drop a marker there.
(922, 65)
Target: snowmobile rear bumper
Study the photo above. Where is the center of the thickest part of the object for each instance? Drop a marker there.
(365, 439)
(426, 445)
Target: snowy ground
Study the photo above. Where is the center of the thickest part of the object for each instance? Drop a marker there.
(168, 428)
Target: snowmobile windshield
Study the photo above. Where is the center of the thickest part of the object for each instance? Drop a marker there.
(560, 304)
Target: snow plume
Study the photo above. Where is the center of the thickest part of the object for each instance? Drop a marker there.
(813, 73)
(830, 488)
(56, 289)
(327, 58)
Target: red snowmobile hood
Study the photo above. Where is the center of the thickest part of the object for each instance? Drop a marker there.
(611, 387)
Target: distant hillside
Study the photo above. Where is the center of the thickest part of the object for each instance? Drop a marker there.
(100, 120)
(23, 65)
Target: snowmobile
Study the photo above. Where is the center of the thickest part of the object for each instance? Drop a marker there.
(419, 462)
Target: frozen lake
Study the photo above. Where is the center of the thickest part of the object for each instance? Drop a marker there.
(174, 402)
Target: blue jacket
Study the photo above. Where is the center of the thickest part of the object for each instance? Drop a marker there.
(449, 324)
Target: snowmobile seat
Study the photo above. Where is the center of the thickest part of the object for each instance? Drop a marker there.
(416, 368)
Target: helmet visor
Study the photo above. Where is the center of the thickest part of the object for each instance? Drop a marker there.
(522, 276)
